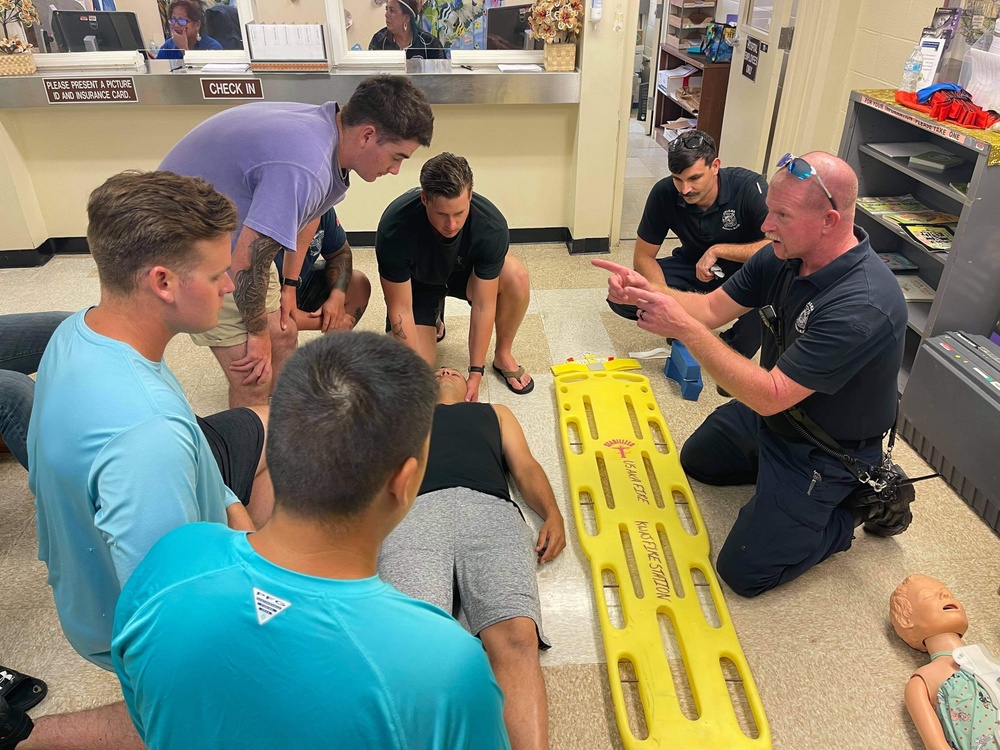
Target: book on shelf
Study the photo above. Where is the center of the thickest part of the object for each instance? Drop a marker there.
(887, 204)
(915, 289)
(921, 217)
(935, 161)
(960, 187)
(932, 237)
(909, 148)
(896, 262)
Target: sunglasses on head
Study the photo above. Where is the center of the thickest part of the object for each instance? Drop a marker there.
(689, 140)
(178, 21)
(799, 167)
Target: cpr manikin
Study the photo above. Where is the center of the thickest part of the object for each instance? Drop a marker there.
(953, 701)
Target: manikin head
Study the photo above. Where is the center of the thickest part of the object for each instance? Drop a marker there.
(922, 607)
(446, 192)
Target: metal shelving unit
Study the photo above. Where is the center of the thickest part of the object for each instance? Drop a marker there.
(967, 279)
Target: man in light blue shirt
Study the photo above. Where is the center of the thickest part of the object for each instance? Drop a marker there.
(117, 457)
(215, 626)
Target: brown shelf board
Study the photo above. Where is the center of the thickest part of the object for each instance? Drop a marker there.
(699, 61)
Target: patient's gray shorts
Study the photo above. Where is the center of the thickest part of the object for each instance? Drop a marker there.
(462, 542)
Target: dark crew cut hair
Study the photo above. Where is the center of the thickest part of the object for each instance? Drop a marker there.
(138, 220)
(347, 411)
(394, 105)
(446, 175)
(684, 157)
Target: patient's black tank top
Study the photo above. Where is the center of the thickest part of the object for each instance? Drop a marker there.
(466, 450)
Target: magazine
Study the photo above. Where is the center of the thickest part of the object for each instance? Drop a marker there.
(935, 161)
(922, 217)
(931, 237)
(890, 204)
(915, 289)
(896, 262)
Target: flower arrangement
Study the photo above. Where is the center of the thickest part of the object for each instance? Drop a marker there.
(11, 12)
(13, 47)
(554, 21)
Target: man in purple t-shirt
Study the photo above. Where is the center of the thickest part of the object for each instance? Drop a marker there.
(284, 165)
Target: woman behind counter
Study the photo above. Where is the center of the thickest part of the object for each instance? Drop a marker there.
(185, 19)
(402, 32)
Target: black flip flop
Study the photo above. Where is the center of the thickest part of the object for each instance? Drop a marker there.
(516, 374)
(15, 725)
(21, 691)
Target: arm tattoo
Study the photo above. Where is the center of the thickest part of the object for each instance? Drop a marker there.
(339, 267)
(251, 284)
(397, 329)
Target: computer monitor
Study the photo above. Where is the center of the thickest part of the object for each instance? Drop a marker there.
(507, 27)
(111, 30)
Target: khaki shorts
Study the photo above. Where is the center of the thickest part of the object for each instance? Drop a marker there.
(231, 331)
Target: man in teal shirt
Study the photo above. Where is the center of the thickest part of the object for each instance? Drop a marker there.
(287, 637)
(117, 456)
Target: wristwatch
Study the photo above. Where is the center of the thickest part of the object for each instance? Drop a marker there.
(292, 282)
(481, 369)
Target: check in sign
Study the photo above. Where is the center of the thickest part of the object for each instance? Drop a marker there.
(232, 88)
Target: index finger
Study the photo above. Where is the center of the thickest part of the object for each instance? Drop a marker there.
(639, 296)
(608, 265)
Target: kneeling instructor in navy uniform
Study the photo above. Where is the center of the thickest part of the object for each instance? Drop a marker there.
(836, 320)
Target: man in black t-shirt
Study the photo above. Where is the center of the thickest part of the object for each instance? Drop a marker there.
(465, 543)
(444, 240)
(836, 324)
(716, 214)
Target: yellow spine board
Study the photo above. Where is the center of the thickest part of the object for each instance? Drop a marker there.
(622, 463)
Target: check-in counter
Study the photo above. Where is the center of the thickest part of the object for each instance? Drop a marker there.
(64, 131)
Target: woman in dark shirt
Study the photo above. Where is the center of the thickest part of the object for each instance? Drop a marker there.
(185, 18)
(402, 31)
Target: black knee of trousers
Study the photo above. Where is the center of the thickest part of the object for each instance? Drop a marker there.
(626, 311)
(739, 577)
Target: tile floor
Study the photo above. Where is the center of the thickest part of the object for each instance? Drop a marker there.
(829, 670)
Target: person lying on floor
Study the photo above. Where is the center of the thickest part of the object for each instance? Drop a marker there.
(287, 637)
(116, 455)
(466, 534)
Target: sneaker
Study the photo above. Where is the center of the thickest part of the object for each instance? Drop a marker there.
(892, 517)
(15, 725)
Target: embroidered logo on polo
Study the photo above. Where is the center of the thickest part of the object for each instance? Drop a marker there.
(729, 219)
(803, 319)
(268, 605)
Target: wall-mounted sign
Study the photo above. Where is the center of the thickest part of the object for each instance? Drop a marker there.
(751, 56)
(106, 90)
(232, 88)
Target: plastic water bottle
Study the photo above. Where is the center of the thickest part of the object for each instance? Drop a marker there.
(911, 70)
